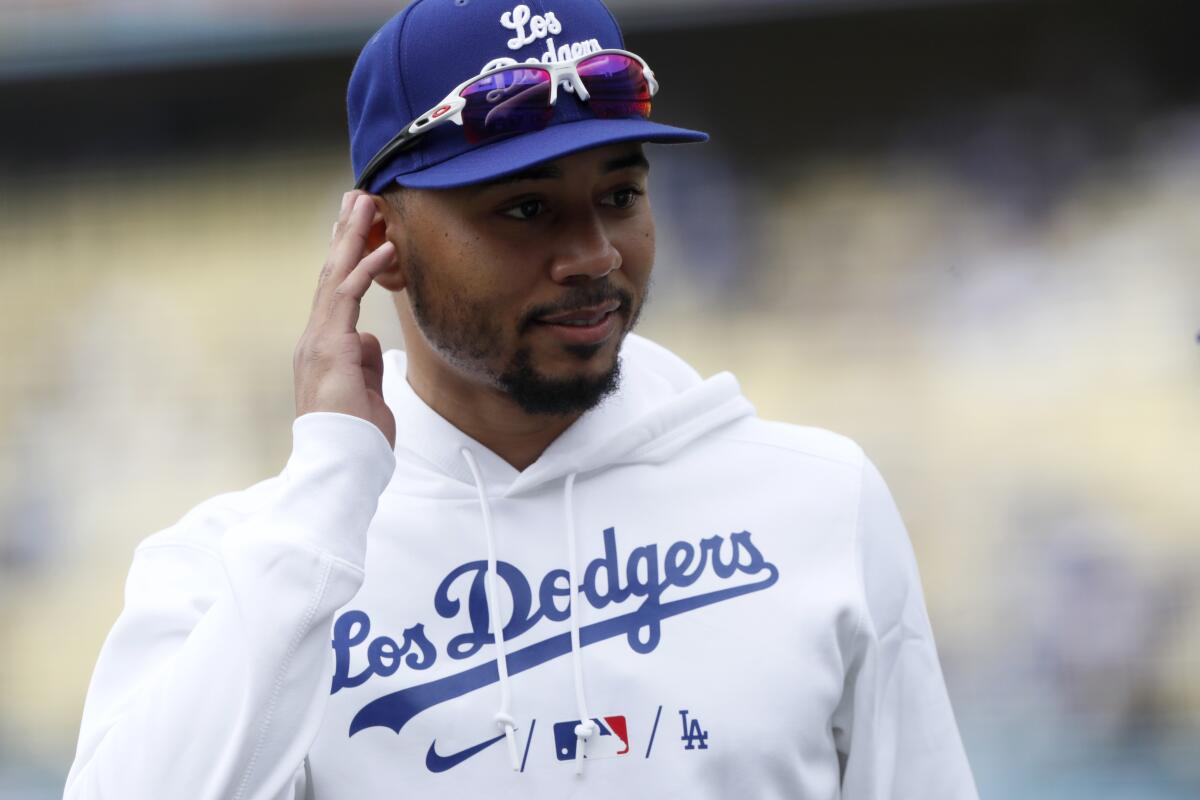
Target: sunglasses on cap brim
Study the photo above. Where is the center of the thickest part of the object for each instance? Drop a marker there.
(520, 98)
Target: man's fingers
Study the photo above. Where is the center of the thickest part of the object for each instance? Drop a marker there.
(339, 224)
(349, 239)
(328, 267)
(347, 297)
(352, 238)
(332, 373)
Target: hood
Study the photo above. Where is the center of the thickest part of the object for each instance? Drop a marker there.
(662, 404)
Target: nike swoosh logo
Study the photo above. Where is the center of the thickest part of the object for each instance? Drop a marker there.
(394, 710)
(436, 763)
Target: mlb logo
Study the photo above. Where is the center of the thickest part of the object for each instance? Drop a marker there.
(610, 740)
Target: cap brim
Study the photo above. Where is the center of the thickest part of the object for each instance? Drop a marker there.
(529, 149)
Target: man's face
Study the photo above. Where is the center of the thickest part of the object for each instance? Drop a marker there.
(527, 286)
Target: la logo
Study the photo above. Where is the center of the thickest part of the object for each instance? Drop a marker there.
(696, 738)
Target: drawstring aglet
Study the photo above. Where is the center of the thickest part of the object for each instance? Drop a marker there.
(505, 723)
(583, 732)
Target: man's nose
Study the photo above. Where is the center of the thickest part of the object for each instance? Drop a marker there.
(585, 251)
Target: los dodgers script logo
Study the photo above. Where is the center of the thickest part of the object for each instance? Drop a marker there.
(645, 575)
(530, 28)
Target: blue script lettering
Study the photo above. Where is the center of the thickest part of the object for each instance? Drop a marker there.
(642, 579)
(468, 644)
(383, 653)
(604, 582)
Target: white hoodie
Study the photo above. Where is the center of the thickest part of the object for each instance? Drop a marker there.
(750, 621)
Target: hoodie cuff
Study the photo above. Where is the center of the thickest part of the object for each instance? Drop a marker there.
(340, 465)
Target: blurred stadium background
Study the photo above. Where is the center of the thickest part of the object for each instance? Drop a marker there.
(966, 234)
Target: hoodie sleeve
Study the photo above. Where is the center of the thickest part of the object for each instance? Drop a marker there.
(213, 681)
(894, 729)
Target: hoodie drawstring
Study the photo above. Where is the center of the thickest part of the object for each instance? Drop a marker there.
(586, 727)
(503, 717)
(504, 720)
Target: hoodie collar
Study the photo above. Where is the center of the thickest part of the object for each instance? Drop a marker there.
(661, 405)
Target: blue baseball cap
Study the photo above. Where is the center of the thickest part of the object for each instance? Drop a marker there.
(422, 53)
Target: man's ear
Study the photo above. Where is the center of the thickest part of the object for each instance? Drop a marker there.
(386, 226)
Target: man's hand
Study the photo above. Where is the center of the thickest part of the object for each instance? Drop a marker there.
(336, 367)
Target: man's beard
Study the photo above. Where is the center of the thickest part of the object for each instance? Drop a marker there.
(468, 335)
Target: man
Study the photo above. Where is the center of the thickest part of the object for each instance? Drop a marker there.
(694, 602)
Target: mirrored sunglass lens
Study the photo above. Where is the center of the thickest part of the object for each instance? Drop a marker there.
(617, 86)
(511, 101)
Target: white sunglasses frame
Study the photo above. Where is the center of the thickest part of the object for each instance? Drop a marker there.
(451, 107)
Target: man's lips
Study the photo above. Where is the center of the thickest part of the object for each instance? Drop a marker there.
(582, 317)
(586, 326)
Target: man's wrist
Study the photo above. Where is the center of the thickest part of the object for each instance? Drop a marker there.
(339, 466)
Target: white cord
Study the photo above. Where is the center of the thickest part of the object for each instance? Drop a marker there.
(586, 727)
(503, 717)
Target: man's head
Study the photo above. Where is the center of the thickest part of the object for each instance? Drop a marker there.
(524, 256)
(525, 285)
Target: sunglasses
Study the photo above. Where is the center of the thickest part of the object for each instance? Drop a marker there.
(506, 101)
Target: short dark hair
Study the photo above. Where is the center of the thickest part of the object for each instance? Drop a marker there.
(394, 195)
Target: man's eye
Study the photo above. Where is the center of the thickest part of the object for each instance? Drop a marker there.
(624, 198)
(527, 209)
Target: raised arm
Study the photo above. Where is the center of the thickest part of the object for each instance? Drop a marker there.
(213, 681)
